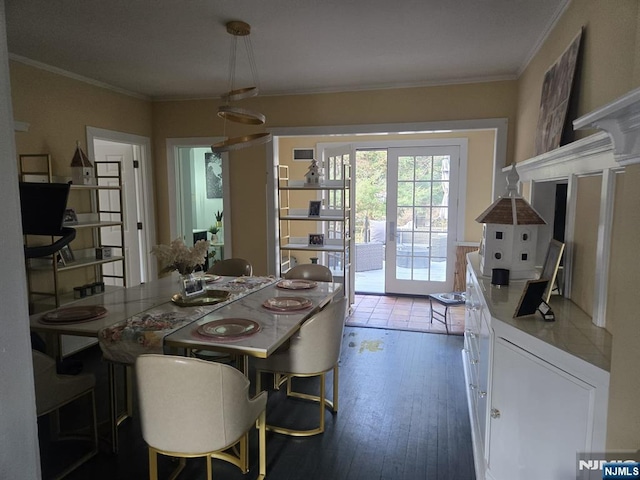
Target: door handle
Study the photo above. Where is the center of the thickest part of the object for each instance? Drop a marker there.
(392, 231)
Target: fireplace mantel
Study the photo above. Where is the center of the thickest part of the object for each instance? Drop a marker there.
(621, 120)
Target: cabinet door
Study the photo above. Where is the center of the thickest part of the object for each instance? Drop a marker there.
(544, 417)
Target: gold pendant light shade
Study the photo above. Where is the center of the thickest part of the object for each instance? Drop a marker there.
(241, 115)
(238, 114)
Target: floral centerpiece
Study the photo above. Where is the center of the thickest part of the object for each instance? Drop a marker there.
(181, 258)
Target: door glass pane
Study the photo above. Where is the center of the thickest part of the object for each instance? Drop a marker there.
(422, 199)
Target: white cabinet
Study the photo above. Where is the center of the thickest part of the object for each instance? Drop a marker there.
(537, 391)
(476, 359)
(332, 223)
(540, 417)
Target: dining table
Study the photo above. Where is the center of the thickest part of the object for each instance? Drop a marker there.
(250, 316)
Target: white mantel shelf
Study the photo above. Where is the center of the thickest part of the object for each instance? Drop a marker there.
(621, 120)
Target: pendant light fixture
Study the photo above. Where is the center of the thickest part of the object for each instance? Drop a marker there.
(233, 113)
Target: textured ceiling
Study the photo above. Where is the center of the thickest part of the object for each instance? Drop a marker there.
(180, 48)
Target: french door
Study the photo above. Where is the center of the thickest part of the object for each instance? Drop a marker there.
(422, 193)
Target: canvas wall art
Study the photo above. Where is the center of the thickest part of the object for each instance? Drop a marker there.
(556, 93)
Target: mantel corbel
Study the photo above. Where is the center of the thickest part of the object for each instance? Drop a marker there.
(621, 120)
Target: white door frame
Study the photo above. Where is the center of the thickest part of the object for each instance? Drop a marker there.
(499, 161)
(173, 174)
(146, 177)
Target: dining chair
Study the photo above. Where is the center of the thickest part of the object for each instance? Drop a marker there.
(312, 352)
(194, 408)
(310, 271)
(54, 391)
(232, 267)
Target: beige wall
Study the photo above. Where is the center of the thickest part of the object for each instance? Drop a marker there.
(623, 426)
(248, 167)
(609, 59)
(610, 68)
(585, 243)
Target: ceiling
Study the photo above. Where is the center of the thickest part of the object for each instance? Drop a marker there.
(163, 49)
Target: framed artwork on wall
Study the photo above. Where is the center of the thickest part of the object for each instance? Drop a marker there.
(554, 102)
(213, 172)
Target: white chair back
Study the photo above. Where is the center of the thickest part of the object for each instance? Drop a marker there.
(310, 271)
(316, 347)
(189, 405)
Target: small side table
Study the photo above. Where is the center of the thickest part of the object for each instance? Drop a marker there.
(446, 300)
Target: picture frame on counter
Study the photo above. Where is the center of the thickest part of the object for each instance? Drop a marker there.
(531, 297)
(551, 266)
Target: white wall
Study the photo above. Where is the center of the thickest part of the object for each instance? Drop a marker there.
(19, 454)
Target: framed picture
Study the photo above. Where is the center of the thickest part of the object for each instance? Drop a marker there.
(316, 239)
(213, 174)
(531, 297)
(67, 255)
(551, 265)
(192, 285)
(314, 208)
(70, 217)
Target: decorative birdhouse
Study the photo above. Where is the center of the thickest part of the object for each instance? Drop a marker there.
(312, 177)
(510, 233)
(81, 168)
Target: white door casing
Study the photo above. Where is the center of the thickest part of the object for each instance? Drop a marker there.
(138, 203)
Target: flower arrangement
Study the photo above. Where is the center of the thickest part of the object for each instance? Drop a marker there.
(178, 256)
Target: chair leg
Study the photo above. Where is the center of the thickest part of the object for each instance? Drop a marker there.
(336, 380)
(153, 464)
(209, 467)
(262, 440)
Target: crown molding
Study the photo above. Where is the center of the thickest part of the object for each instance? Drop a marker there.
(620, 119)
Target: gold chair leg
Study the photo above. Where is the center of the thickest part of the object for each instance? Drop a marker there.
(262, 440)
(153, 464)
(336, 375)
(209, 467)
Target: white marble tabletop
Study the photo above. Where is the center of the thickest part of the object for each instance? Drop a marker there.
(275, 328)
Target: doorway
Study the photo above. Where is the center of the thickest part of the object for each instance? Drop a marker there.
(199, 197)
(486, 138)
(406, 224)
(132, 153)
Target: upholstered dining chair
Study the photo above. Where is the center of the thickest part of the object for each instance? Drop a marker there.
(54, 391)
(232, 267)
(312, 352)
(310, 271)
(194, 408)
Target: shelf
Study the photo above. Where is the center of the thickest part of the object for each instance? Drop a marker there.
(75, 186)
(295, 225)
(105, 227)
(97, 224)
(300, 185)
(322, 218)
(313, 248)
(78, 263)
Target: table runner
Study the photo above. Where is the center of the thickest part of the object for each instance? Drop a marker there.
(145, 332)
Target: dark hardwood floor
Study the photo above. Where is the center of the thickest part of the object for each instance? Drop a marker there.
(402, 415)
